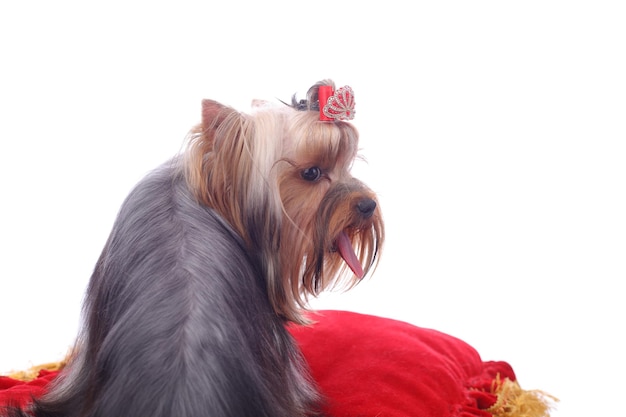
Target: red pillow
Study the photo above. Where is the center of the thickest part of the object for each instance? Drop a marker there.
(368, 366)
(17, 393)
(373, 366)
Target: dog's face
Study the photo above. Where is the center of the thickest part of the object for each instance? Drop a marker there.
(334, 219)
(282, 179)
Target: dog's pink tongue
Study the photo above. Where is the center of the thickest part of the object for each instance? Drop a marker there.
(344, 246)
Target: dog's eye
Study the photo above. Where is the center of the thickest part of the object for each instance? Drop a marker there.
(311, 174)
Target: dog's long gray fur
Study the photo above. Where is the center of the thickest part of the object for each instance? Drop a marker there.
(177, 321)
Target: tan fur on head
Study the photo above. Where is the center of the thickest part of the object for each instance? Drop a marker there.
(229, 168)
(249, 168)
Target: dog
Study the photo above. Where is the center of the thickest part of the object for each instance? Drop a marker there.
(212, 255)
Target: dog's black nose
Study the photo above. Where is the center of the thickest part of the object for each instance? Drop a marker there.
(366, 207)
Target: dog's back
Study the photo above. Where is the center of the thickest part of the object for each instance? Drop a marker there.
(177, 321)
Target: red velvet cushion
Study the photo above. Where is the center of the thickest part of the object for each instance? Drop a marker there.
(18, 393)
(374, 366)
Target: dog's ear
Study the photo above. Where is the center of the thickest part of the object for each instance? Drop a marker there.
(200, 155)
(213, 113)
(215, 116)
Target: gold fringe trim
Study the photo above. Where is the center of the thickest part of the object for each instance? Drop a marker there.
(513, 401)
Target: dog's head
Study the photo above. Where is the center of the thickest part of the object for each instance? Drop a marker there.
(281, 177)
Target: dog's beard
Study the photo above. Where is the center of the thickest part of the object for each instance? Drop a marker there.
(352, 249)
(342, 236)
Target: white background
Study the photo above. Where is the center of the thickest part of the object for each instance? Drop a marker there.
(493, 131)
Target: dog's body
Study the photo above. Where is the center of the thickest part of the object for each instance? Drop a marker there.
(167, 346)
(210, 256)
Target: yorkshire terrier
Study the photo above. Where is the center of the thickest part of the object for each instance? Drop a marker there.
(211, 255)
